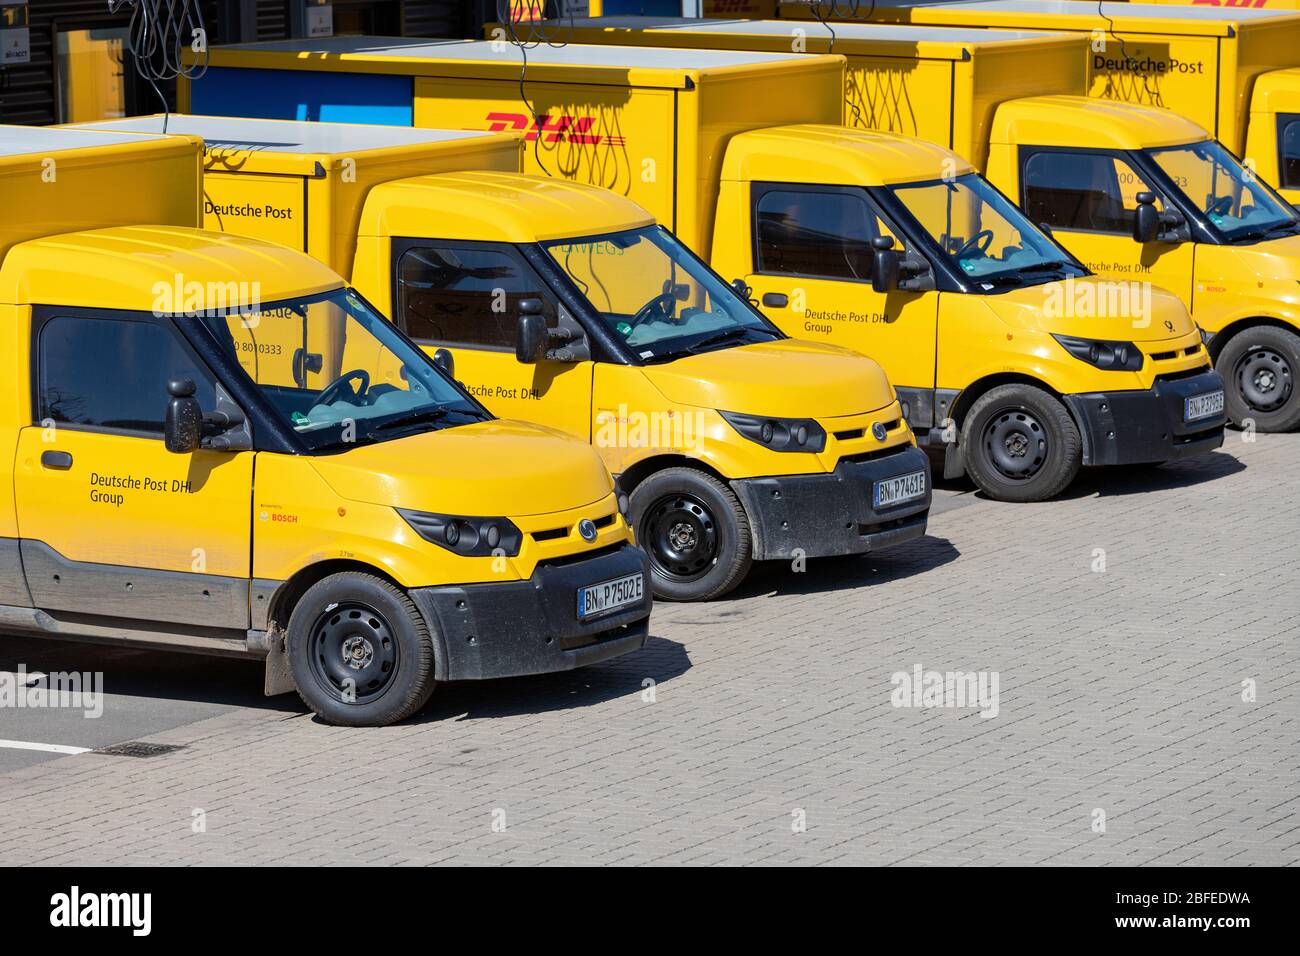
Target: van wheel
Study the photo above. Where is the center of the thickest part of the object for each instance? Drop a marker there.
(360, 651)
(1259, 368)
(695, 531)
(1020, 444)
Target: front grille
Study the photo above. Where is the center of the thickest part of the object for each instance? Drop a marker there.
(567, 559)
(1185, 373)
(550, 534)
(872, 455)
(850, 434)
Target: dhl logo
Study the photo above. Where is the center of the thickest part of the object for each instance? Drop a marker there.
(1239, 4)
(561, 129)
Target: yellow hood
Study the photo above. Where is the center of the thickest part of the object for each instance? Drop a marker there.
(1277, 259)
(786, 378)
(496, 468)
(1093, 308)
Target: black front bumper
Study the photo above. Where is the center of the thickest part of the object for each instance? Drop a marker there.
(824, 515)
(1131, 428)
(532, 627)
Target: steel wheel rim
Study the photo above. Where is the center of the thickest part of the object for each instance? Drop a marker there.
(681, 535)
(1264, 379)
(353, 652)
(1016, 444)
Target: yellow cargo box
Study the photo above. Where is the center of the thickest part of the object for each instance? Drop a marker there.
(1201, 61)
(649, 124)
(304, 184)
(942, 84)
(54, 181)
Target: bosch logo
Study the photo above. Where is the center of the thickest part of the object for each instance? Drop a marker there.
(879, 431)
(560, 129)
(587, 528)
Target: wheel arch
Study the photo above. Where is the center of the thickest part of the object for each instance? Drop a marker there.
(643, 469)
(981, 387)
(1230, 331)
(289, 592)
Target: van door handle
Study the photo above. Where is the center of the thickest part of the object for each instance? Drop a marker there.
(61, 460)
(776, 300)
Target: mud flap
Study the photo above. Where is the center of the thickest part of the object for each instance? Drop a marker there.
(279, 677)
(953, 466)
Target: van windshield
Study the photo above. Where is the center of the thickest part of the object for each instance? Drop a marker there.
(1226, 192)
(983, 234)
(338, 374)
(653, 293)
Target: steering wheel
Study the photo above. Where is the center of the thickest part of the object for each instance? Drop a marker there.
(334, 390)
(662, 304)
(979, 242)
(1220, 207)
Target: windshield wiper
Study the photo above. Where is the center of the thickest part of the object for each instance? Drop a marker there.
(726, 335)
(421, 417)
(1055, 265)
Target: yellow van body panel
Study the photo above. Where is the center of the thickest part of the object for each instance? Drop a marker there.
(652, 128)
(66, 181)
(1200, 61)
(834, 154)
(496, 207)
(157, 269)
(342, 507)
(941, 85)
(1089, 123)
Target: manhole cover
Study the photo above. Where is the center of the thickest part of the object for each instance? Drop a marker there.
(135, 748)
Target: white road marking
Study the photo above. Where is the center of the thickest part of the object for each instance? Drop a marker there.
(48, 748)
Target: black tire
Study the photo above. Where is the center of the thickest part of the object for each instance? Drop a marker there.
(359, 627)
(1019, 443)
(695, 531)
(1260, 367)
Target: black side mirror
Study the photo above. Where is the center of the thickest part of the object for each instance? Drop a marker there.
(183, 424)
(884, 264)
(1047, 229)
(1146, 219)
(304, 362)
(530, 343)
(444, 360)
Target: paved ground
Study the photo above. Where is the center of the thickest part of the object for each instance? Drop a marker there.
(1121, 733)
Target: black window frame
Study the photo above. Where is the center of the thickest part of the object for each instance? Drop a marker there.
(1133, 161)
(401, 247)
(759, 190)
(42, 316)
(1283, 121)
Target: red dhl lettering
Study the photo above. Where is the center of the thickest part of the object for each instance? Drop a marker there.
(561, 129)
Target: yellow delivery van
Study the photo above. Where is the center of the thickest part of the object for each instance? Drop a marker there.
(874, 242)
(351, 515)
(568, 306)
(986, 94)
(1227, 68)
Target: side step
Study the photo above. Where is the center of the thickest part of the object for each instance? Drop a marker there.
(96, 629)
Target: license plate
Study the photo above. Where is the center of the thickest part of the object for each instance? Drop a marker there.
(607, 595)
(893, 491)
(1202, 406)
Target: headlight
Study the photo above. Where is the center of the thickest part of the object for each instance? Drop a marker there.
(1112, 356)
(779, 434)
(469, 537)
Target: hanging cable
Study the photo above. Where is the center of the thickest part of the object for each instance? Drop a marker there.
(534, 12)
(159, 32)
(820, 15)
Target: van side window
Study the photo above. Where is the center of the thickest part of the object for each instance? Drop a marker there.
(466, 295)
(1288, 139)
(112, 373)
(827, 235)
(1090, 192)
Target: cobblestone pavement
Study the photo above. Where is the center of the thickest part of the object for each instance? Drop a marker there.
(1121, 733)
